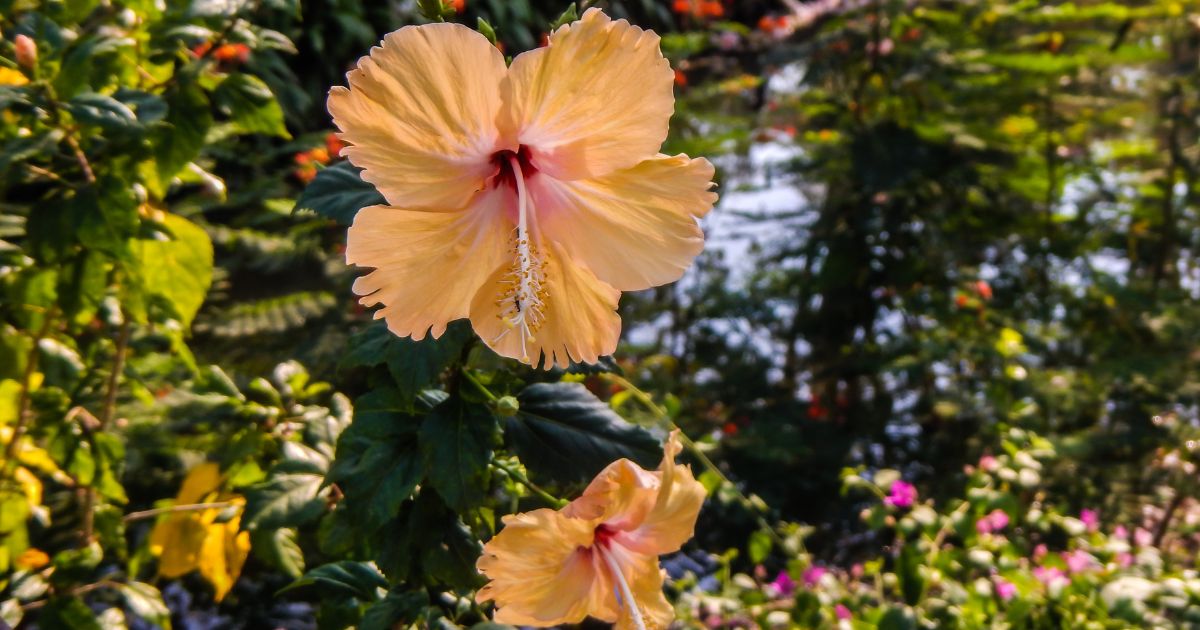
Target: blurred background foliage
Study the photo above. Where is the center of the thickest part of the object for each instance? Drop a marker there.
(939, 361)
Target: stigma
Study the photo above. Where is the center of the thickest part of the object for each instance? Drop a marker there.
(522, 303)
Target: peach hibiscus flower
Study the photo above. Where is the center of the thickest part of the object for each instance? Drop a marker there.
(525, 197)
(598, 555)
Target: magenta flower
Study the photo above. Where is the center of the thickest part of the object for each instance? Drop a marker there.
(813, 574)
(1078, 561)
(995, 521)
(1050, 576)
(902, 494)
(1091, 518)
(1005, 590)
(783, 584)
(842, 612)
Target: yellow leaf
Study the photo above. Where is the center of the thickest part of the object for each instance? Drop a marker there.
(192, 540)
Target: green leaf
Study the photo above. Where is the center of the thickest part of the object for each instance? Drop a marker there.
(103, 111)
(456, 446)
(180, 139)
(278, 547)
(176, 270)
(149, 108)
(250, 105)
(394, 609)
(413, 365)
(378, 464)
(291, 496)
(564, 432)
(759, 546)
(428, 542)
(110, 455)
(145, 601)
(67, 613)
(101, 217)
(338, 193)
(359, 580)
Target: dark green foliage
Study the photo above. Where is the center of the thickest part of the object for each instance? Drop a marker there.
(338, 193)
(564, 432)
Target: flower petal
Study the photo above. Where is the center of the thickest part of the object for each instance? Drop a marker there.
(644, 577)
(420, 115)
(428, 265)
(672, 520)
(540, 572)
(635, 228)
(597, 99)
(620, 496)
(580, 319)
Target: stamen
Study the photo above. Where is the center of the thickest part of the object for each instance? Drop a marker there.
(626, 595)
(522, 305)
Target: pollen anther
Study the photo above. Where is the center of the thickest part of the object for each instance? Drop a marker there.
(522, 302)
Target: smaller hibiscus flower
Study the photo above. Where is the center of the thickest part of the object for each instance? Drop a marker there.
(597, 556)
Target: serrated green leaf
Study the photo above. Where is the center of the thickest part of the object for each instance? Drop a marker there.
(564, 432)
(338, 193)
(359, 580)
(456, 447)
(279, 548)
(394, 609)
(291, 496)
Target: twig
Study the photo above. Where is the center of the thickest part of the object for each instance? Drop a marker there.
(106, 417)
(189, 507)
(523, 480)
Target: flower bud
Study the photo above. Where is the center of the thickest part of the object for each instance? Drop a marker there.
(26, 51)
(507, 406)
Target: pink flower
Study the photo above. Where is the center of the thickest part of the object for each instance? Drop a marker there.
(1125, 559)
(842, 612)
(1091, 518)
(1078, 561)
(856, 570)
(813, 574)
(1121, 532)
(1040, 552)
(1142, 537)
(784, 585)
(1005, 590)
(902, 494)
(995, 521)
(1050, 576)
(988, 463)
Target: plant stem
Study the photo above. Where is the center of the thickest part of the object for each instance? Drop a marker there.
(106, 417)
(187, 507)
(480, 386)
(519, 477)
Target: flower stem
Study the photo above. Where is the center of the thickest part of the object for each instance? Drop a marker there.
(520, 478)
